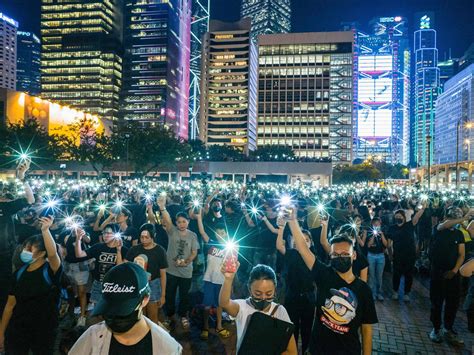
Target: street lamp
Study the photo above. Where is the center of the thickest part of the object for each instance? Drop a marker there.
(468, 143)
(127, 137)
(468, 125)
(428, 140)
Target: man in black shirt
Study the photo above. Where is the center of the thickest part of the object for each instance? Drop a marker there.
(344, 303)
(447, 255)
(8, 208)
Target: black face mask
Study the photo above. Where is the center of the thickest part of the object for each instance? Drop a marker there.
(341, 264)
(260, 304)
(399, 220)
(216, 208)
(118, 324)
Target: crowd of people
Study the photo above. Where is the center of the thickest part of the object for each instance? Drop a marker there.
(136, 259)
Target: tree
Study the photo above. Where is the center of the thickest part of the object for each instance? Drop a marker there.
(346, 174)
(148, 148)
(224, 153)
(273, 153)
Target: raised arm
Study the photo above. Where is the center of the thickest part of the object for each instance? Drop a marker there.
(50, 245)
(96, 226)
(150, 215)
(202, 231)
(308, 257)
(230, 306)
(168, 225)
(450, 223)
(249, 220)
(280, 243)
(415, 219)
(21, 170)
(269, 225)
(323, 238)
(314, 218)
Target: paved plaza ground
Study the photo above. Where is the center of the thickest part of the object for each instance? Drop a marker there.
(403, 328)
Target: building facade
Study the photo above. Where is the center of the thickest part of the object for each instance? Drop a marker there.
(229, 86)
(199, 27)
(268, 16)
(305, 93)
(382, 91)
(156, 63)
(455, 110)
(81, 59)
(8, 48)
(447, 69)
(426, 91)
(28, 71)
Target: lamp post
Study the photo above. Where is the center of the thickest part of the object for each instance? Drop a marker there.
(428, 140)
(127, 137)
(469, 125)
(468, 143)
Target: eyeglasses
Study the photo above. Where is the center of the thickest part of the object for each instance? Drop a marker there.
(339, 308)
(343, 255)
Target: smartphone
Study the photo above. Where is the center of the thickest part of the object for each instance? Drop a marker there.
(231, 261)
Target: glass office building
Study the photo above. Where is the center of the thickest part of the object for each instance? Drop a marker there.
(81, 59)
(305, 93)
(28, 71)
(156, 63)
(228, 86)
(8, 29)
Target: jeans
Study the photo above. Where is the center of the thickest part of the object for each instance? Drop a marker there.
(469, 304)
(447, 292)
(172, 285)
(376, 267)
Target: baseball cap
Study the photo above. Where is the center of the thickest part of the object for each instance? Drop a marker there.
(123, 288)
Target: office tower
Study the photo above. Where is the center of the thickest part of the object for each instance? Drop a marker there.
(447, 69)
(455, 111)
(228, 86)
(268, 16)
(28, 71)
(8, 28)
(81, 59)
(382, 95)
(199, 26)
(427, 89)
(468, 57)
(156, 64)
(305, 94)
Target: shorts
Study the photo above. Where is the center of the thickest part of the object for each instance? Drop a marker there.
(96, 292)
(211, 294)
(155, 290)
(75, 273)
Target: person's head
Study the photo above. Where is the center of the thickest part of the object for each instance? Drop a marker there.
(125, 292)
(307, 237)
(182, 221)
(463, 205)
(357, 220)
(342, 253)
(108, 234)
(216, 205)
(33, 250)
(376, 222)
(124, 216)
(399, 217)
(231, 206)
(262, 286)
(147, 234)
(454, 212)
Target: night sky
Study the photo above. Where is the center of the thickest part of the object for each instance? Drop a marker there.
(453, 18)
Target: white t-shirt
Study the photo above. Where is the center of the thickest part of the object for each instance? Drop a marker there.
(245, 311)
(215, 257)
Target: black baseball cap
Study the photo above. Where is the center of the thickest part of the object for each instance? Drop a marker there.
(123, 288)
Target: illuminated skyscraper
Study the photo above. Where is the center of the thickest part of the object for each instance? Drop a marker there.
(8, 28)
(305, 93)
(28, 71)
(427, 89)
(156, 63)
(228, 86)
(268, 16)
(199, 26)
(81, 59)
(447, 69)
(382, 96)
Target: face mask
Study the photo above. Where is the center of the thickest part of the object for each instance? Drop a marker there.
(260, 304)
(216, 209)
(399, 220)
(341, 264)
(26, 257)
(123, 324)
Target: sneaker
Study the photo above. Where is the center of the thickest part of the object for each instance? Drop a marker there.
(395, 296)
(406, 298)
(81, 322)
(452, 338)
(380, 298)
(435, 336)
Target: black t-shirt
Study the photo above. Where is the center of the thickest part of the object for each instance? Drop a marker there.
(7, 229)
(444, 249)
(377, 246)
(298, 276)
(210, 222)
(105, 259)
(24, 231)
(360, 263)
(341, 309)
(267, 239)
(404, 249)
(69, 243)
(128, 236)
(156, 259)
(316, 237)
(143, 347)
(36, 300)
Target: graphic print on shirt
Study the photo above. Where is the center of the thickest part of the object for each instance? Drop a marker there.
(182, 244)
(106, 262)
(339, 310)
